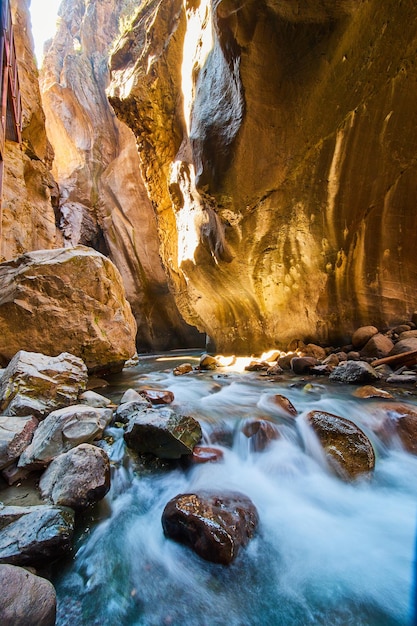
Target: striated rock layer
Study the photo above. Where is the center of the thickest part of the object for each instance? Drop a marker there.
(30, 193)
(104, 202)
(277, 145)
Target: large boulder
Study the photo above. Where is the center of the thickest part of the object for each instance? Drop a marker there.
(214, 526)
(163, 433)
(37, 384)
(62, 430)
(77, 478)
(15, 435)
(348, 450)
(33, 535)
(66, 300)
(26, 599)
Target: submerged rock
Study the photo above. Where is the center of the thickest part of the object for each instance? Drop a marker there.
(214, 526)
(348, 450)
(26, 599)
(66, 300)
(260, 432)
(163, 433)
(62, 430)
(34, 535)
(77, 478)
(15, 435)
(36, 384)
(206, 454)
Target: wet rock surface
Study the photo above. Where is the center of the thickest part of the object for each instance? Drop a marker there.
(15, 435)
(348, 450)
(214, 526)
(163, 433)
(35, 534)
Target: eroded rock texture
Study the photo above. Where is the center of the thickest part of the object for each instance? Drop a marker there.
(104, 201)
(277, 145)
(30, 192)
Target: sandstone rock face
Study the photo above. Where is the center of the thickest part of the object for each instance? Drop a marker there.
(77, 478)
(34, 535)
(347, 448)
(66, 300)
(37, 384)
(26, 599)
(104, 201)
(214, 526)
(276, 144)
(30, 193)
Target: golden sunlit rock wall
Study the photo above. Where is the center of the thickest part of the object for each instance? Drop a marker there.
(277, 142)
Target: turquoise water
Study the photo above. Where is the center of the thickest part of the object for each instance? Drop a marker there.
(326, 553)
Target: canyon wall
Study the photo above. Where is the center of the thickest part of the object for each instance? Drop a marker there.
(104, 202)
(30, 193)
(277, 143)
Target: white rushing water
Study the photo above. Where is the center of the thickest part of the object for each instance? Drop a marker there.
(326, 552)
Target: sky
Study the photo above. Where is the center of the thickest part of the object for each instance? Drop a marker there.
(43, 16)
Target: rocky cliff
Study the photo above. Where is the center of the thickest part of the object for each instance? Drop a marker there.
(249, 166)
(277, 143)
(104, 201)
(30, 193)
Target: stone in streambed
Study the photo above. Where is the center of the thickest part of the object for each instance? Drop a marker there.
(15, 435)
(34, 535)
(378, 346)
(62, 430)
(303, 364)
(36, 384)
(128, 410)
(284, 405)
(163, 433)
(354, 372)
(157, 396)
(206, 454)
(260, 432)
(214, 526)
(26, 599)
(348, 450)
(77, 478)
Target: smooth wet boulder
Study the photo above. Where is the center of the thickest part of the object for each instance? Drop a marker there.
(397, 420)
(15, 435)
(184, 368)
(260, 433)
(77, 478)
(62, 430)
(36, 384)
(163, 433)
(354, 372)
(284, 405)
(66, 300)
(34, 535)
(206, 454)
(215, 526)
(25, 599)
(348, 450)
(303, 364)
(369, 391)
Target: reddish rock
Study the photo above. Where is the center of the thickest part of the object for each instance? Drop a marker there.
(401, 419)
(378, 346)
(214, 526)
(303, 364)
(257, 366)
(15, 435)
(206, 454)
(26, 599)
(348, 450)
(284, 404)
(362, 335)
(369, 391)
(260, 432)
(156, 396)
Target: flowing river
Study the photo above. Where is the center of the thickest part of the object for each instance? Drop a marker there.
(327, 552)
